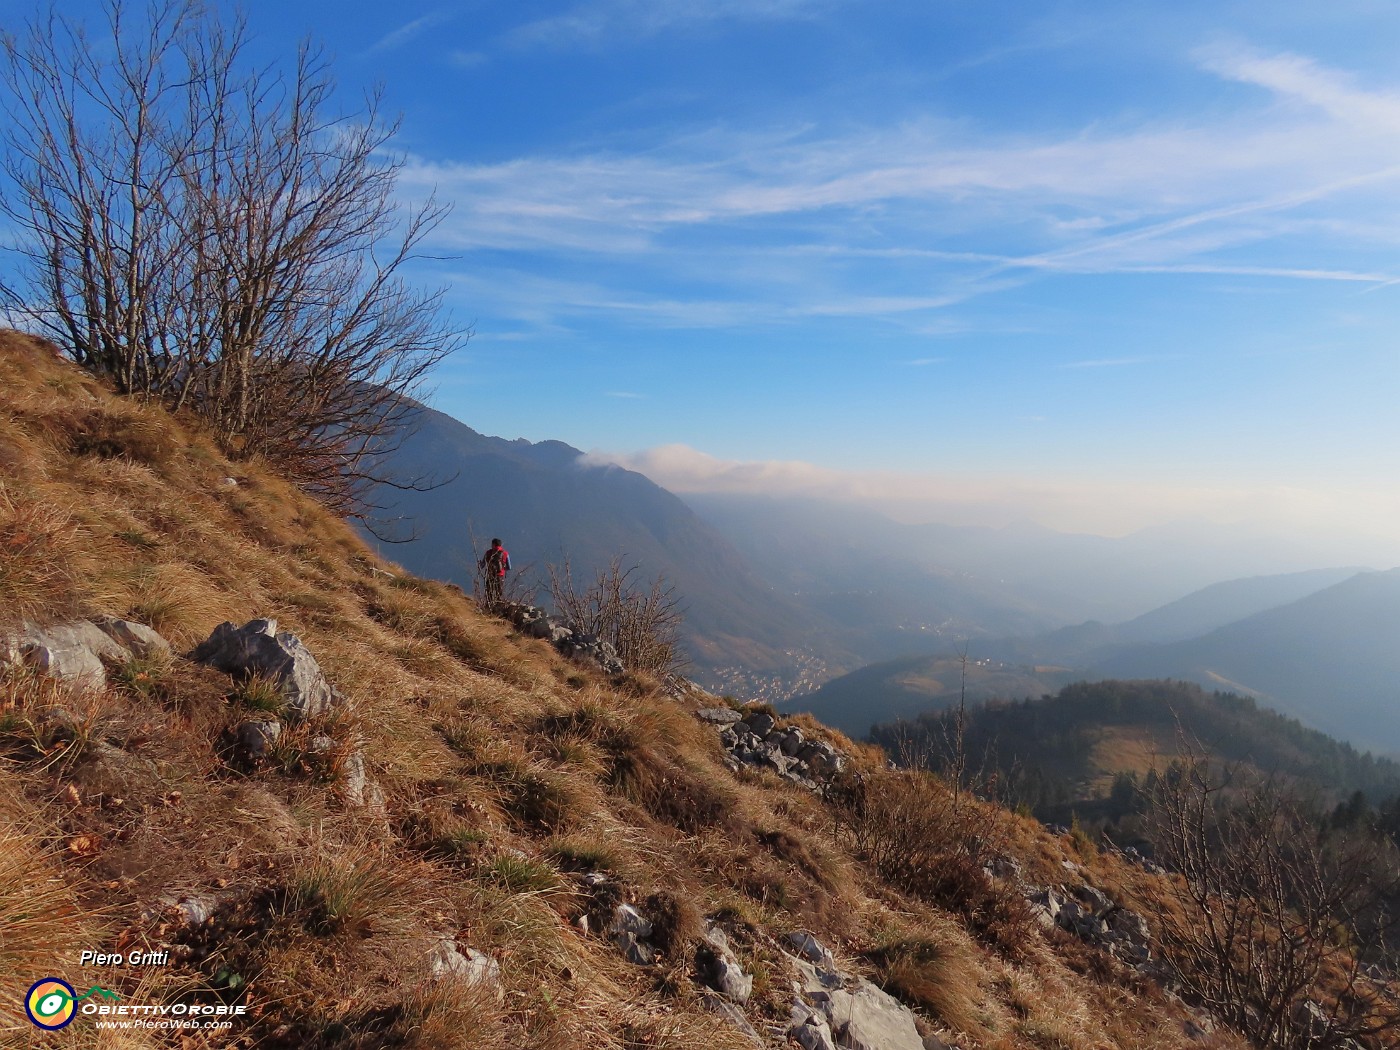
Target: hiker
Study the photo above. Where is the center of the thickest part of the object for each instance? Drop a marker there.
(494, 565)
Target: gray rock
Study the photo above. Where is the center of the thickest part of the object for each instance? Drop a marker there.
(627, 919)
(354, 781)
(636, 951)
(760, 722)
(718, 968)
(140, 640)
(811, 949)
(1311, 1017)
(720, 716)
(716, 938)
(258, 736)
(1129, 925)
(1095, 900)
(259, 648)
(724, 1008)
(630, 929)
(860, 1015)
(71, 652)
(792, 742)
(809, 1029)
(1005, 868)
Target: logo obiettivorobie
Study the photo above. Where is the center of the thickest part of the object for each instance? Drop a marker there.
(52, 1003)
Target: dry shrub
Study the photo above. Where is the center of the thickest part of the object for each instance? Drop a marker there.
(649, 751)
(19, 456)
(455, 1015)
(642, 622)
(671, 1031)
(671, 790)
(537, 800)
(932, 842)
(805, 854)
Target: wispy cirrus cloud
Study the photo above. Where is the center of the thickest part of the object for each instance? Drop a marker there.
(606, 21)
(766, 216)
(408, 32)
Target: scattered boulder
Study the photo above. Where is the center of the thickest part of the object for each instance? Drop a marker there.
(757, 740)
(258, 648)
(1094, 917)
(71, 652)
(841, 1010)
(808, 1028)
(717, 968)
(136, 638)
(720, 716)
(631, 931)
(1095, 900)
(811, 949)
(570, 641)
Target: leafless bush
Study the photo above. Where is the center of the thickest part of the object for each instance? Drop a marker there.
(931, 841)
(1271, 913)
(218, 237)
(642, 622)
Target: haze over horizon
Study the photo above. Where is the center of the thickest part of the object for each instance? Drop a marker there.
(1096, 269)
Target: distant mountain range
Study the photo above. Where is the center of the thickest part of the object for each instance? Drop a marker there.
(1330, 657)
(548, 504)
(784, 595)
(898, 589)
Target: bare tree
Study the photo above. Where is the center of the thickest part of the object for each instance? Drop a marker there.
(219, 237)
(642, 622)
(1271, 914)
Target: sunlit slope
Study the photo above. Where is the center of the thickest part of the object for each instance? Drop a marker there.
(511, 801)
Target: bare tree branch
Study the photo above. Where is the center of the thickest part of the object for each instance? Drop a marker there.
(220, 237)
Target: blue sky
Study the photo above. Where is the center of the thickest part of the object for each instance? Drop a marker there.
(1099, 265)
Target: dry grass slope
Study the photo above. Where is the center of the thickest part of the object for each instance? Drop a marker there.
(506, 771)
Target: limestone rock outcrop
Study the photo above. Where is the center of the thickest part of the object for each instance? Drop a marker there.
(259, 648)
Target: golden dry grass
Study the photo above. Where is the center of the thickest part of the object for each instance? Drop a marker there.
(506, 772)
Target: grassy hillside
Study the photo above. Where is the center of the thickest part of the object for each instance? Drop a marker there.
(511, 799)
(1062, 754)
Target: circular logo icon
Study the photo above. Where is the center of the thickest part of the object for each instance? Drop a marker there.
(49, 1003)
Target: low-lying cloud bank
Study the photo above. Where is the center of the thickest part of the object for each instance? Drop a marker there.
(1349, 521)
